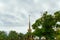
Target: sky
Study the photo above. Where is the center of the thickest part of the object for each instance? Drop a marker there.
(14, 13)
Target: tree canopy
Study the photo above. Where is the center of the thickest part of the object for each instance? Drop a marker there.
(48, 22)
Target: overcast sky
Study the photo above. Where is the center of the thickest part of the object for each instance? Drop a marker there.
(14, 13)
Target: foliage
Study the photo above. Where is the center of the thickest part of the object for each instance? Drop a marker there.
(57, 15)
(48, 22)
(13, 35)
(3, 35)
(21, 36)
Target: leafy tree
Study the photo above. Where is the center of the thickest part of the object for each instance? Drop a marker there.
(13, 35)
(21, 36)
(47, 22)
(3, 35)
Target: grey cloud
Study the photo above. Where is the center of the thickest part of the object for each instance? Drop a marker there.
(6, 22)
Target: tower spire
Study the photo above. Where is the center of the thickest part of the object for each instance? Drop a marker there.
(29, 30)
(29, 21)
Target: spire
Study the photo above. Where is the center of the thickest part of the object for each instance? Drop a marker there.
(29, 21)
(29, 30)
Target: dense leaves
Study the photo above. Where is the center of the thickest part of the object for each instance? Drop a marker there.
(48, 22)
(21, 36)
(13, 35)
(3, 35)
(57, 15)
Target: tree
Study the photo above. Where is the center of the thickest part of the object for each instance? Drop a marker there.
(3, 35)
(13, 35)
(21, 36)
(47, 22)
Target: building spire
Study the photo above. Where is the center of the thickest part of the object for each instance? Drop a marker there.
(29, 21)
(29, 30)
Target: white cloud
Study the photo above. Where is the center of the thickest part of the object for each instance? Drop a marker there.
(2, 7)
(58, 4)
(36, 1)
(45, 6)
